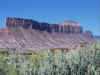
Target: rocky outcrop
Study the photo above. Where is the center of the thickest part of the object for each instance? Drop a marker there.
(65, 27)
(88, 34)
(71, 27)
(27, 34)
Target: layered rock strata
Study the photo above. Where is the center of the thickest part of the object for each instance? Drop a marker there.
(27, 34)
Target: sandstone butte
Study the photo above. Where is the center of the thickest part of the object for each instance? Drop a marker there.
(27, 34)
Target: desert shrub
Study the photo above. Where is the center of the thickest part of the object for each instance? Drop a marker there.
(80, 61)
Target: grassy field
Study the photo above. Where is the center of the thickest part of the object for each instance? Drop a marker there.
(84, 60)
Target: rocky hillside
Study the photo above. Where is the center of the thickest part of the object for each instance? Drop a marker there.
(27, 34)
(97, 37)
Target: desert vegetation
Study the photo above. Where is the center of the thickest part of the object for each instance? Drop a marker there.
(84, 60)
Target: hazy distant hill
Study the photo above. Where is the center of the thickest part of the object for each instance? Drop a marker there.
(97, 37)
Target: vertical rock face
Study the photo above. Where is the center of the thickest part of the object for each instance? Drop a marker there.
(35, 25)
(56, 28)
(17, 22)
(71, 27)
(44, 27)
(65, 27)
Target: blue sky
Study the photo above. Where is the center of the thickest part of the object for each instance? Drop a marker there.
(86, 12)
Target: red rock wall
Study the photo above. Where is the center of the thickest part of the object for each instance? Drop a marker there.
(27, 23)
